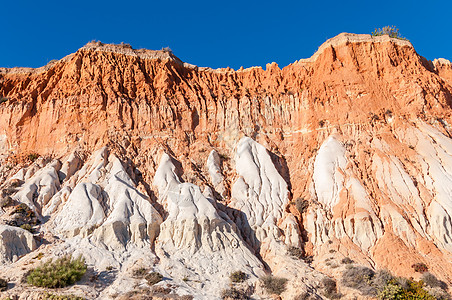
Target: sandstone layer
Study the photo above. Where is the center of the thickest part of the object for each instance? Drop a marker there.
(148, 161)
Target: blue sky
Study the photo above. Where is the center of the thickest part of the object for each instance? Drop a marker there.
(213, 33)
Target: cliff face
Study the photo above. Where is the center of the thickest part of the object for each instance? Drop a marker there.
(212, 164)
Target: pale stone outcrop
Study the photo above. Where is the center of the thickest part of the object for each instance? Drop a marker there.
(195, 241)
(14, 242)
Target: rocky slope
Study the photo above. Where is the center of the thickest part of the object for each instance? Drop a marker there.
(146, 161)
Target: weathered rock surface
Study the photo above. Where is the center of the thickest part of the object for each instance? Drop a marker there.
(196, 173)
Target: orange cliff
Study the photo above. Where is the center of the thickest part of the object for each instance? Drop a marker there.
(375, 95)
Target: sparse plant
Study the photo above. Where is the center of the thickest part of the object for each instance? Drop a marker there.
(49, 296)
(237, 277)
(154, 278)
(6, 201)
(167, 49)
(430, 280)
(360, 278)
(59, 273)
(322, 123)
(140, 272)
(391, 31)
(304, 296)
(273, 284)
(420, 267)
(233, 293)
(438, 293)
(381, 279)
(308, 259)
(32, 157)
(3, 100)
(3, 285)
(295, 252)
(329, 287)
(27, 227)
(109, 268)
(161, 290)
(301, 204)
(347, 261)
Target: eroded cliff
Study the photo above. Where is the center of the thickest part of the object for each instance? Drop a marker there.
(149, 161)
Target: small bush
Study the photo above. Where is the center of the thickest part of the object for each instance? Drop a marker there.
(27, 227)
(329, 287)
(62, 297)
(438, 293)
(32, 157)
(301, 204)
(161, 290)
(3, 100)
(381, 279)
(391, 291)
(6, 201)
(359, 278)
(237, 276)
(304, 296)
(295, 252)
(233, 293)
(59, 273)
(3, 285)
(420, 267)
(308, 259)
(430, 280)
(154, 277)
(347, 261)
(392, 31)
(140, 272)
(274, 285)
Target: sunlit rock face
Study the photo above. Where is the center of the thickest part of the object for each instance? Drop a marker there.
(138, 161)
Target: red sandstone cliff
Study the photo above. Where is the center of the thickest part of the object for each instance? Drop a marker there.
(367, 111)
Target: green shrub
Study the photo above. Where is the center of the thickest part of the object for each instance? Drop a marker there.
(391, 291)
(295, 252)
(3, 100)
(237, 276)
(392, 31)
(59, 273)
(154, 277)
(420, 267)
(3, 285)
(33, 156)
(233, 293)
(274, 285)
(62, 297)
(27, 227)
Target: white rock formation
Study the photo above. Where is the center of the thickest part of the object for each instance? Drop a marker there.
(195, 242)
(259, 195)
(40, 188)
(14, 242)
(217, 178)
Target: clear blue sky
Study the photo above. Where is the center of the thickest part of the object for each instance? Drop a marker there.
(213, 33)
